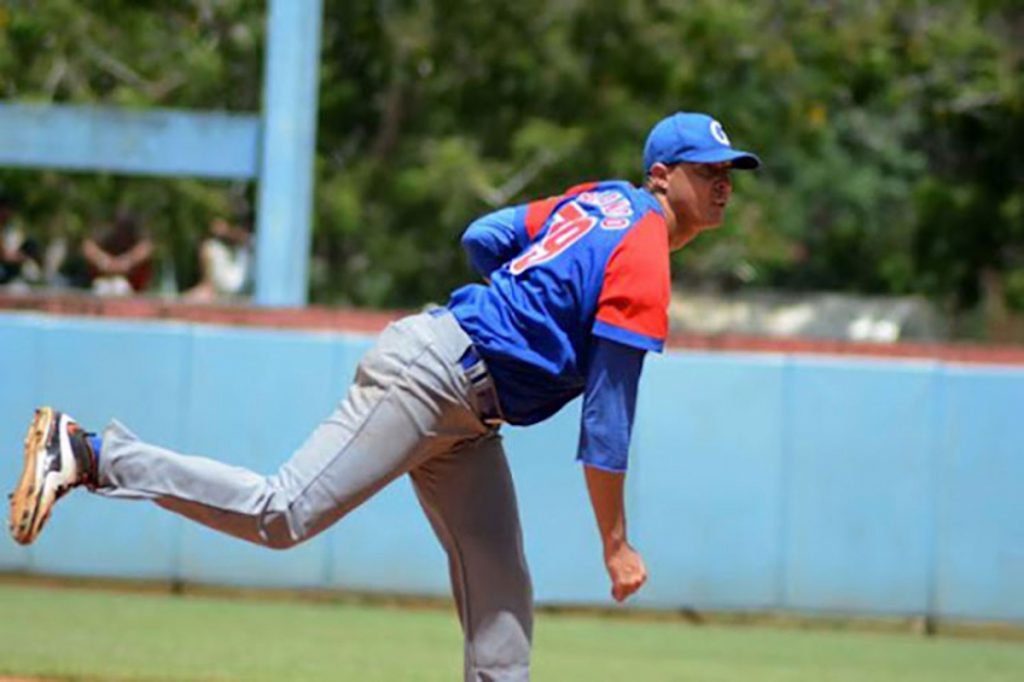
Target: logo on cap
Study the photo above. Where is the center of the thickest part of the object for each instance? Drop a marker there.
(718, 133)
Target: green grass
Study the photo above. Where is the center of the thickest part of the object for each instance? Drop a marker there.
(77, 634)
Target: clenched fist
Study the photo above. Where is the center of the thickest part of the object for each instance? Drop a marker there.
(626, 570)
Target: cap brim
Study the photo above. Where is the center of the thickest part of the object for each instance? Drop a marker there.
(740, 160)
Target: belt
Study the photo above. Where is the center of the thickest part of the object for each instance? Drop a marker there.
(484, 394)
(482, 386)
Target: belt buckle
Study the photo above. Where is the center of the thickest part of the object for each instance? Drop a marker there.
(483, 386)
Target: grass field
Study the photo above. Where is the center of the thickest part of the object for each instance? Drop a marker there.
(79, 634)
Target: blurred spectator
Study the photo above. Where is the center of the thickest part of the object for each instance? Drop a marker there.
(120, 257)
(20, 255)
(55, 259)
(225, 259)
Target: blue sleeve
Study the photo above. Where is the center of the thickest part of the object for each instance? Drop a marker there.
(496, 238)
(609, 404)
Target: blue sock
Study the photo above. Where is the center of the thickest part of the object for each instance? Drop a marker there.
(95, 443)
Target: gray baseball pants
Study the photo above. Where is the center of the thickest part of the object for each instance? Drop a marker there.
(412, 408)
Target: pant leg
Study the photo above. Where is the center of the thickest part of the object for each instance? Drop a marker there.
(407, 403)
(469, 497)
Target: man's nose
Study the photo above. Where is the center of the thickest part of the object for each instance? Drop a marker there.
(723, 188)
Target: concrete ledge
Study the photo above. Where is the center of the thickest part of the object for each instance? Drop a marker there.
(237, 314)
(372, 321)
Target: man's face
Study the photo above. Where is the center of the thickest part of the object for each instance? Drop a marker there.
(697, 194)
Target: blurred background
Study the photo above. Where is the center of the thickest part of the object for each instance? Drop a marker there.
(892, 132)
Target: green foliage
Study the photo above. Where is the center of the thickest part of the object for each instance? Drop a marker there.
(892, 130)
(197, 54)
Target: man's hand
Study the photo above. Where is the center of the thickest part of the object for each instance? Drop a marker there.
(626, 570)
(625, 567)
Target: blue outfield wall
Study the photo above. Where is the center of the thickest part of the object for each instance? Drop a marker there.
(758, 481)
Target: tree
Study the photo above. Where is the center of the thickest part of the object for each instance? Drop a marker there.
(891, 129)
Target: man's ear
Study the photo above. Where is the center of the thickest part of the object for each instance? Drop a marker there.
(657, 178)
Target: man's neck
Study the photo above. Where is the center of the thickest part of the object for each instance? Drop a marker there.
(666, 212)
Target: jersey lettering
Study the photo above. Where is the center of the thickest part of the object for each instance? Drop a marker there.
(615, 208)
(567, 227)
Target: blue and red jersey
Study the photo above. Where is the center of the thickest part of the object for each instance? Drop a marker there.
(578, 293)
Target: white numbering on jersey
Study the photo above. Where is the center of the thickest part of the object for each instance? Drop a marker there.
(569, 224)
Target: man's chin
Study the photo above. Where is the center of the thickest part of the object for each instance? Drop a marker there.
(716, 217)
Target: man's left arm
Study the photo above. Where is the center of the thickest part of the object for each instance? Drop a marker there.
(608, 407)
(624, 564)
(491, 240)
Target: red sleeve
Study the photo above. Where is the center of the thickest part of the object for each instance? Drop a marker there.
(633, 305)
(538, 212)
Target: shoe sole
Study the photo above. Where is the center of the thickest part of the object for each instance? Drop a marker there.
(32, 500)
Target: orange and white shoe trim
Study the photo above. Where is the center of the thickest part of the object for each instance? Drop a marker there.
(51, 469)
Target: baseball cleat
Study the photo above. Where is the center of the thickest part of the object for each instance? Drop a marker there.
(57, 459)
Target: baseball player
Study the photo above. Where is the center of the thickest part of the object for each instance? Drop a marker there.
(576, 293)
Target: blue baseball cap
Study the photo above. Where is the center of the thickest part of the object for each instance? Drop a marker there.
(693, 138)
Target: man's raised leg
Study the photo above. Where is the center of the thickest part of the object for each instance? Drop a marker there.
(407, 404)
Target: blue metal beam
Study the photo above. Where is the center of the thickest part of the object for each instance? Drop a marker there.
(139, 142)
(278, 148)
(289, 137)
